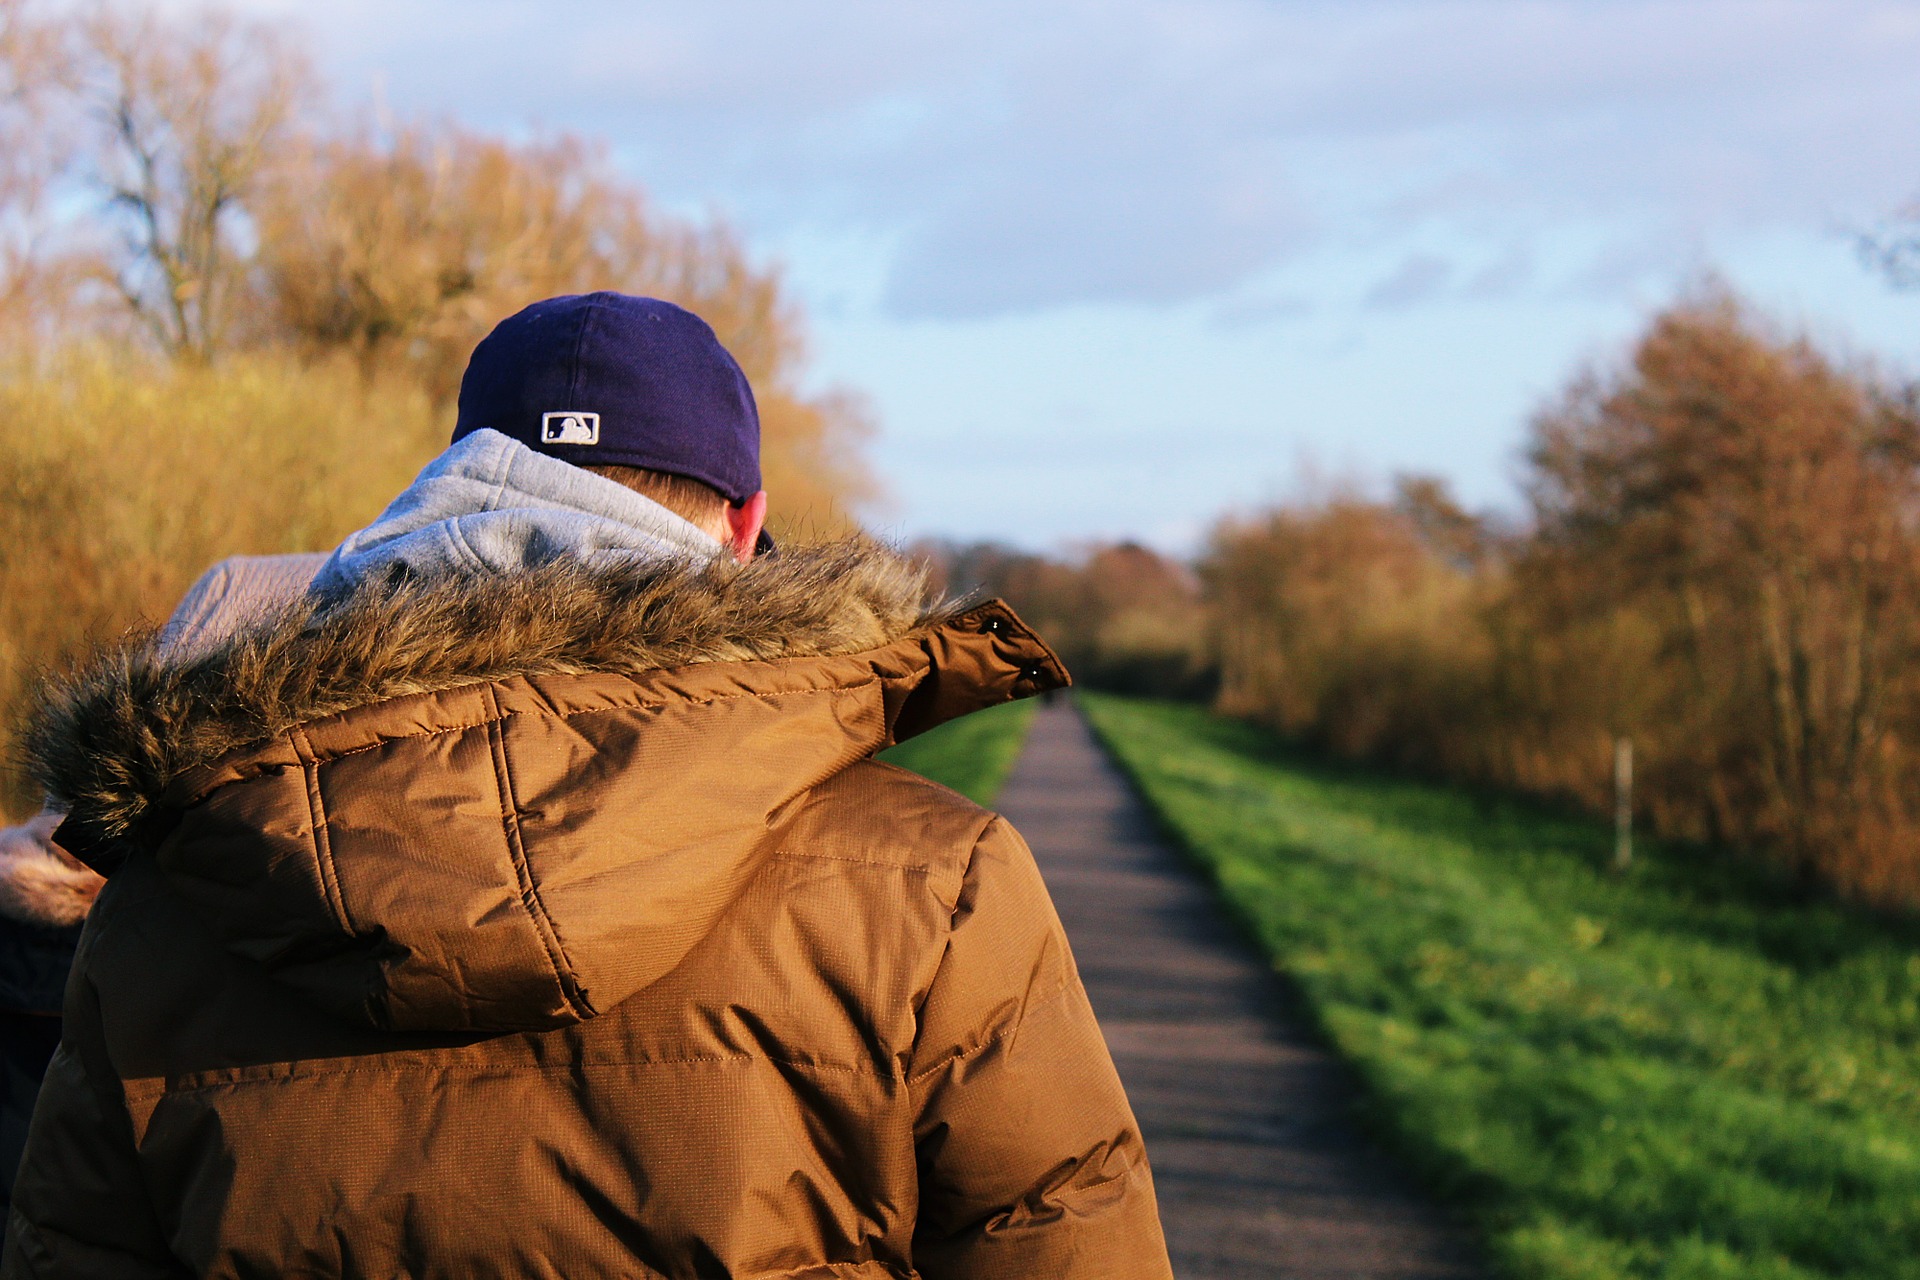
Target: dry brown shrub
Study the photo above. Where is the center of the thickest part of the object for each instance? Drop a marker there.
(404, 251)
(1723, 565)
(1751, 507)
(1338, 622)
(122, 479)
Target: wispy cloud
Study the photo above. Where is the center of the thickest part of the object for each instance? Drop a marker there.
(1420, 277)
(1029, 156)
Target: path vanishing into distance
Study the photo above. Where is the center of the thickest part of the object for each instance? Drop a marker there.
(1259, 1166)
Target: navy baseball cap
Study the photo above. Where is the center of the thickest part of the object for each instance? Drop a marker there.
(608, 379)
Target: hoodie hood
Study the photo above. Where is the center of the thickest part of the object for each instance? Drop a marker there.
(489, 504)
(509, 800)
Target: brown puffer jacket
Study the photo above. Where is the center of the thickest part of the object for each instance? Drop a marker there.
(560, 925)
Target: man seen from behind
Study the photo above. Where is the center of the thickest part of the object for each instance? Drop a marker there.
(520, 898)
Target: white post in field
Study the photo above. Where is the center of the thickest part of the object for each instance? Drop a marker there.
(1622, 803)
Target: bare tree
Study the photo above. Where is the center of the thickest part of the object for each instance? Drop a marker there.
(191, 115)
(34, 71)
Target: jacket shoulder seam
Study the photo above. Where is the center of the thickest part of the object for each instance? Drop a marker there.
(917, 868)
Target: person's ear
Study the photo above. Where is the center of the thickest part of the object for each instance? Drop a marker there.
(744, 523)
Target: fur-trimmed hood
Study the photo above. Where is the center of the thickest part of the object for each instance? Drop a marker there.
(40, 883)
(508, 800)
(106, 742)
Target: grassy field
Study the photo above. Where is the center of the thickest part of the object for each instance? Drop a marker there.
(1678, 1072)
(973, 754)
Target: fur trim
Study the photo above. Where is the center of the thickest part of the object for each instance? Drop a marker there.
(41, 883)
(105, 741)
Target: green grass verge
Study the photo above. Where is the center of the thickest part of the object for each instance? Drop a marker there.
(973, 754)
(1678, 1072)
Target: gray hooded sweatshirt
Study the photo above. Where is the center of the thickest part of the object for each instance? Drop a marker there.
(488, 504)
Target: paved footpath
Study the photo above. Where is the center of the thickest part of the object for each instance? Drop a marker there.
(1259, 1169)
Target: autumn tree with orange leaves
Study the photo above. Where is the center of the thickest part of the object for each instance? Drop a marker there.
(1723, 564)
(1754, 506)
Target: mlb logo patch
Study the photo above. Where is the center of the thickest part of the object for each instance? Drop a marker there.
(570, 428)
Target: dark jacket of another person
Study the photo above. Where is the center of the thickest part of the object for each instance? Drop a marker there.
(44, 897)
(560, 924)
(45, 893)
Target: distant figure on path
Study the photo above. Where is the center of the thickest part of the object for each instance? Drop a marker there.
(520, 899)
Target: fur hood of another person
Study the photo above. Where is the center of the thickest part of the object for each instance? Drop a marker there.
(45, 894)
(41, 884)
(571, 885)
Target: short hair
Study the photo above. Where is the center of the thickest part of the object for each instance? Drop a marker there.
(695, 500)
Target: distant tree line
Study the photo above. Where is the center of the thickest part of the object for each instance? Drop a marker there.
(1719, 560)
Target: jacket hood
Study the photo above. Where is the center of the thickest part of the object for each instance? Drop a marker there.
(508, 801)
(489, 504)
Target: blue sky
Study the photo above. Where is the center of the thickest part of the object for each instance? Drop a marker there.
(1109, 269)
